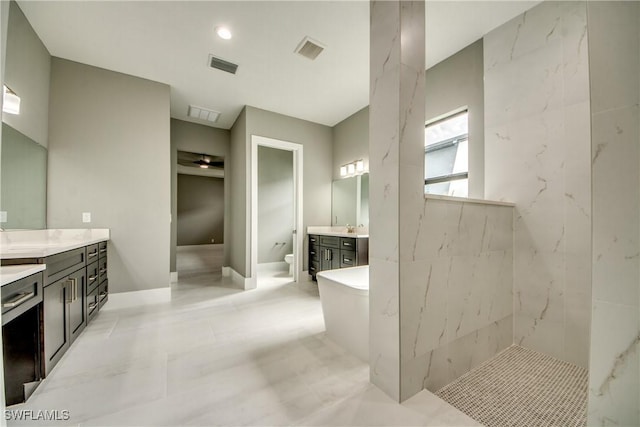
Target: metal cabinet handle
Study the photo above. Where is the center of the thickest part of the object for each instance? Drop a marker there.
(74, 289)
(348, 260)
(92, 306)
(103, 270)
(19, 299)
(92, 254)
(103, 250)
(103, 295)
(92, 278)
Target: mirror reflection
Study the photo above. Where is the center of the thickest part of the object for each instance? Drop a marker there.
(350, 201)
(23, 177)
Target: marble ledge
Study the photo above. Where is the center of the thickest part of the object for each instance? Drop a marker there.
(468, 200)
(340, 231)
(12, 273)
(42, 243)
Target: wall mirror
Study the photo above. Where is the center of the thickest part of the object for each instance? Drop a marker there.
(350, 201)
(23, 181)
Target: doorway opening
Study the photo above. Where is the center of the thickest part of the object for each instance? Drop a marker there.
(276, 207)
(200, 214)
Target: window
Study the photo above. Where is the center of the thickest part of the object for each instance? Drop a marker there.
(446, 156)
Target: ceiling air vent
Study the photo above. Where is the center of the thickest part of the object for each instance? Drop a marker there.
(223, 65)
(309, 48)
(203, 114)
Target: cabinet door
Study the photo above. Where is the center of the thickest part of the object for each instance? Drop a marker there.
(77, 303)
(56, 334)
(330, 258)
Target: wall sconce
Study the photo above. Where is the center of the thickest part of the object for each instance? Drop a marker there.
(10, 101)
(353, 168)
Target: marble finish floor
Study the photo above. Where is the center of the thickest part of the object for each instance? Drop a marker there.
(216, 355)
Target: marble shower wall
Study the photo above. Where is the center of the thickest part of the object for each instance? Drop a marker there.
(457, 313)
(538, 155)
(614, 56)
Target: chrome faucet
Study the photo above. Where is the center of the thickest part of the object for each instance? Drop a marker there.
(351, 229)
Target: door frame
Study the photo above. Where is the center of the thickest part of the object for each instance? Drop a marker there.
(297, 151)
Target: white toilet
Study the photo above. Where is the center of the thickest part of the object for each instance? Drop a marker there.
(289, 259)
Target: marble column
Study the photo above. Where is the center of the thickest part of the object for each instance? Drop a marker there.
(396, 149)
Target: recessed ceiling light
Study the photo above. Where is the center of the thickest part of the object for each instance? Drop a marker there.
(223, 32)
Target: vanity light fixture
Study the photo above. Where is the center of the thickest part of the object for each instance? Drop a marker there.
(224, 33)
(354, 168)
(10, 101)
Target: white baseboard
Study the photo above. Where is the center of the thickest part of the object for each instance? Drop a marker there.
(174, 276)
(245, 283)
(138, 298)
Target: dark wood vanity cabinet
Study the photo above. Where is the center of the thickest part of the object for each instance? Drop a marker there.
(332, 252)
(75, 288)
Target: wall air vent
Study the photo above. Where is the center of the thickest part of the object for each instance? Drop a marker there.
(309, 48)
(203, 114)
(223, 65)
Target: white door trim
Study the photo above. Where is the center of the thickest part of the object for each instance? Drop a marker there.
(252, 231)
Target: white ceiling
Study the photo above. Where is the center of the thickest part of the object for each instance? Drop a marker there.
(170, 41)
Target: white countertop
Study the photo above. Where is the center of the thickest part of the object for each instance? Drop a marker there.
(43, 243)
(11, 273)
(340, 231)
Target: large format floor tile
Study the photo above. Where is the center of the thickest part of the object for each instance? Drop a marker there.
(216, 355)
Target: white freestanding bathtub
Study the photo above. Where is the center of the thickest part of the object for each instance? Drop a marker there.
(344, 295)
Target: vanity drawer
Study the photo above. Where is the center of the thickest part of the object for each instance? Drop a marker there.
(20, 296)
(314, 253)
(103, 293)
(313, 267)
(102, 270)
(92, 253)
(348, 243)
(61, 265)
(92, 304)
(102, 249)
(347, 259)
(92, 277)
(330, 241)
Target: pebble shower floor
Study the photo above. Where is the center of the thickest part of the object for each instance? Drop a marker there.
(520, 387)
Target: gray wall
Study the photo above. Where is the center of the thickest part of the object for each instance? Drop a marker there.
(351, 141)
(237, 255)
(453, 83)
(196, 138)
(27, 70)
(275, 204)
(109, 154)
(200, 219)
(457, 82)
(614, 74)
(318, 159)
